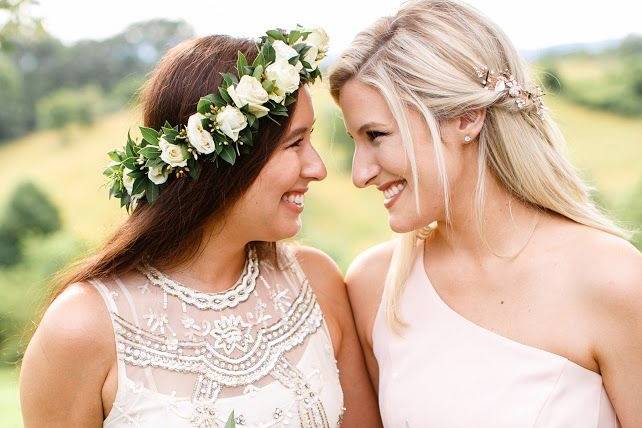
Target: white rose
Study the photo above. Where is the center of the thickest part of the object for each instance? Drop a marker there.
(231, 121)
(318, 38)
(286, 78)
(198, 137)
(283, 51)
(250, 92)
(157, 176)
(172, 154)
(128, 182)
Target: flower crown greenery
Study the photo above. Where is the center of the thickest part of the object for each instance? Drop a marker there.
(226, 122)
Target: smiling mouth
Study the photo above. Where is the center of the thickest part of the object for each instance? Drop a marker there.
(391, 193)
(295, 198)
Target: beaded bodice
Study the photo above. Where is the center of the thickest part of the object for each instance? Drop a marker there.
(190, 358)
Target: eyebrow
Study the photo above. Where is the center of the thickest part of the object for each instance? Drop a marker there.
(366, 126)
(300, 130)
(370, 125)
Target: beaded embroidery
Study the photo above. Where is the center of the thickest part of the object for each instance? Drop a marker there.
(229, 350)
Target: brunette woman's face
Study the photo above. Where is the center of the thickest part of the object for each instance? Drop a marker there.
(271, 208)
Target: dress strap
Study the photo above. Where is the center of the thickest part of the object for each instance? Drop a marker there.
(112, 310)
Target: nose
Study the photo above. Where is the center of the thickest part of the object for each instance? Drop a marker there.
(313, 167)
(364, 168)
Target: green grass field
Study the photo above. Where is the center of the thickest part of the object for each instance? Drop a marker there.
(339, 219)
(9, 403)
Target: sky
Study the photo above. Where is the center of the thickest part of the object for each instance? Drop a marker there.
(531, 25)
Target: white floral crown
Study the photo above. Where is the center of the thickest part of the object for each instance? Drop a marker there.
(505, 82)
(226, 123)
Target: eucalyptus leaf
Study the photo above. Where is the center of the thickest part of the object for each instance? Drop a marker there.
(276, 35)
(228, 154)
(150, 152)
(151, 191)
(149, 134)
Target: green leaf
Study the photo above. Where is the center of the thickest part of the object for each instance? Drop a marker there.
(258, 72)
(205, 104)
(293, 37)
(269, 54)
(250, 119)
(150, 135)
(154, 163)
(130, 163)
(228, 154)
(229, 80)
(150, 152)
(194, 168)
(268, 85)
(129, 150)
(276, 35)
(139, 185)
(259, 60)
(113, 155)
(151, 191)
(223, 92)
(218, 100)
(230, 421)
(241, 63)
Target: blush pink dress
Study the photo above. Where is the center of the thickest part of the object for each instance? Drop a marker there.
(447, 372)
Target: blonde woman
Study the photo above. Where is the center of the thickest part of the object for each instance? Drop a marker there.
(521, 304)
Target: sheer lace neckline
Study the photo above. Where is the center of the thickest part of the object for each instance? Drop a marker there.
(229, 298)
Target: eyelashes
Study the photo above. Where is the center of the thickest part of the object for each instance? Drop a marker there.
(373, 135)
(298, 142)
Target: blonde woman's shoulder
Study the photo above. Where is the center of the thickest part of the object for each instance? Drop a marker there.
(369, 268)
(365, 281)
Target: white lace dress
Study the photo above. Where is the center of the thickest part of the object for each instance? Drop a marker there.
(188, 358)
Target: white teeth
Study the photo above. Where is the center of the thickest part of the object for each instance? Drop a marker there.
(293, 198)
(393, 190)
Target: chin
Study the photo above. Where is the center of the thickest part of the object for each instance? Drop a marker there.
(404, 223)
(400, 225)
(285, 231)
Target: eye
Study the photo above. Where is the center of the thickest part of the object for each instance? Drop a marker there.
(295, 144)
(373, 135)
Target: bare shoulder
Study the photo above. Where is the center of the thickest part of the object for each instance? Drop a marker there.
(318, 265)
(367, 272)
(365, 280)
(606, 269)
(608, 266)
(76, 321)
(70, 343)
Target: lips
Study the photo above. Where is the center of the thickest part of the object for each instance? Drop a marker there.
(296, 198)
(391, 192)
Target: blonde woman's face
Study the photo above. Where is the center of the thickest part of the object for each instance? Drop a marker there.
(380, 159)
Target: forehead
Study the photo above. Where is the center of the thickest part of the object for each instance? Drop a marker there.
(362, 103)
(304, 112)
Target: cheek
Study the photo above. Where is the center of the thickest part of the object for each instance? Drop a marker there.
(392, 158)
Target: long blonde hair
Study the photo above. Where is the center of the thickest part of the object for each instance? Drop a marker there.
(425, 58)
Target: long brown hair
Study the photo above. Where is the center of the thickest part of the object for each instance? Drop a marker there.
(170, 231)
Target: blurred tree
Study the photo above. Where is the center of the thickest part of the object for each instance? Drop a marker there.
(30, 211)
(16, 19)
(12, 116)
(10, 250)
(70, 106)
(45, 65)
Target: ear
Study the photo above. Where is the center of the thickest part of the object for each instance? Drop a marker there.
(465, 128)
(469, 125)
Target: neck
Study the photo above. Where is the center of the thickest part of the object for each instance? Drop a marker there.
(218, 263)
(507, 223)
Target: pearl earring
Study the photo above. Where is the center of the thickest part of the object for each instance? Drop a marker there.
(467, 138)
